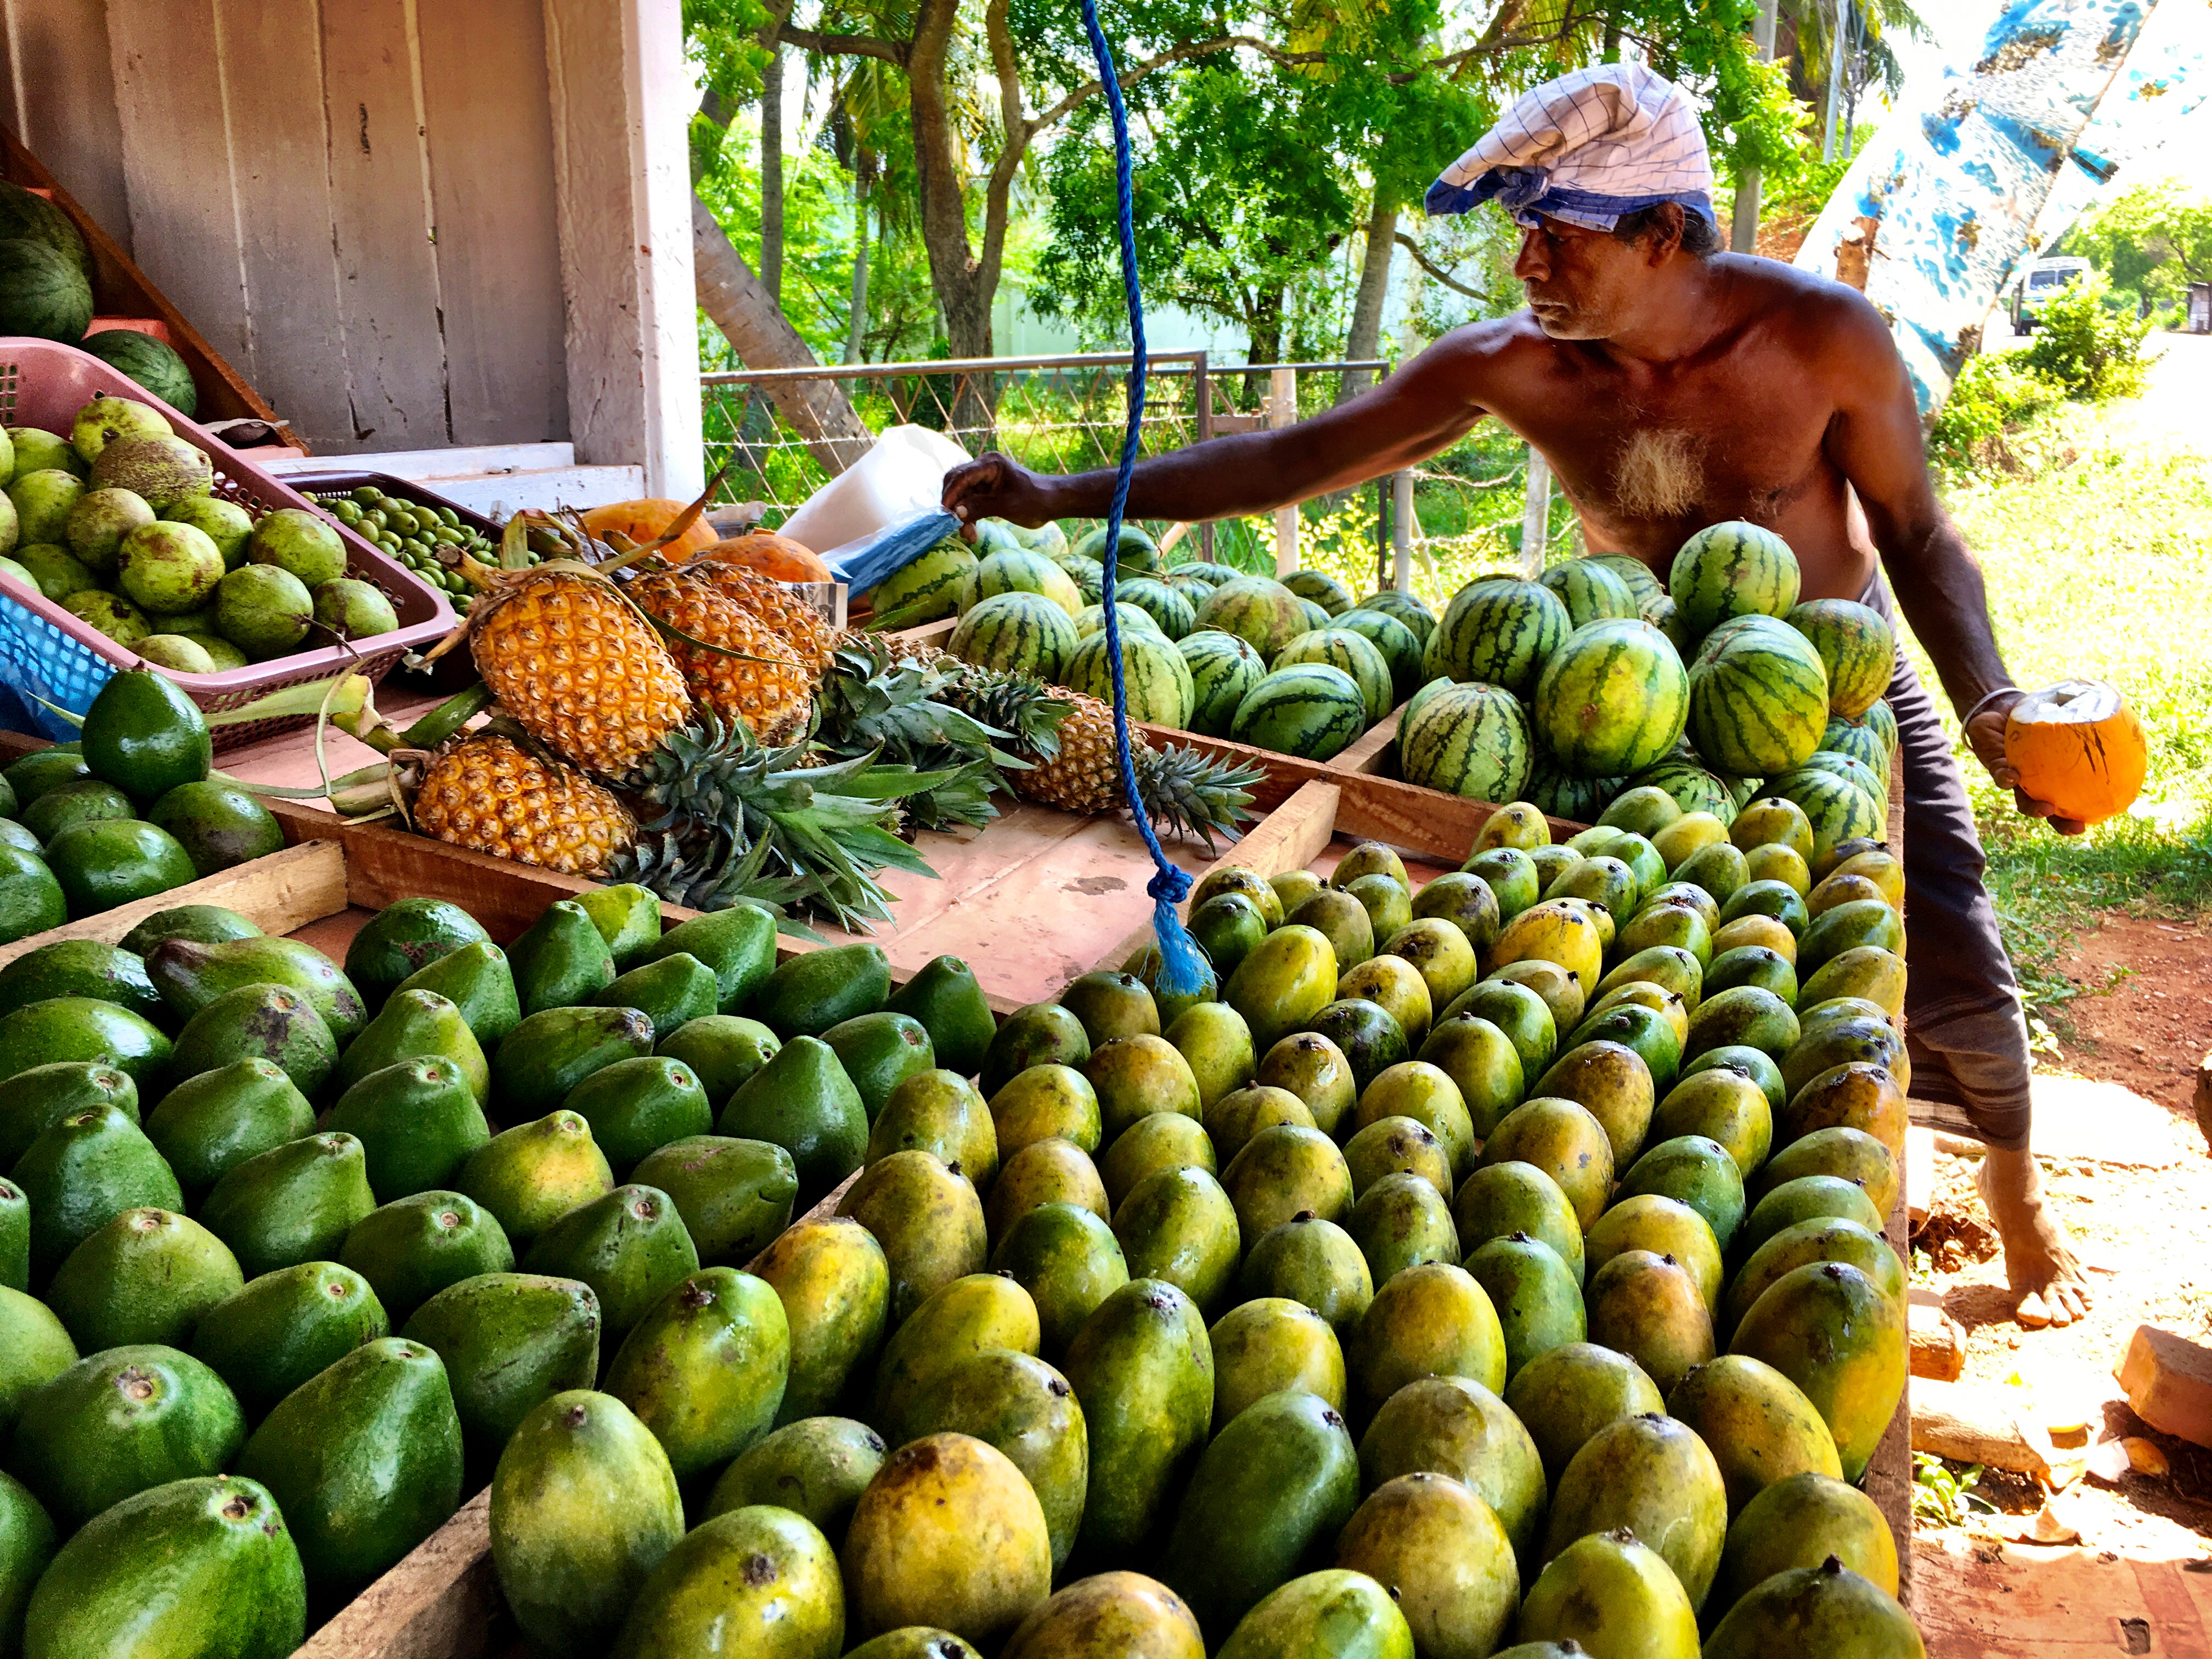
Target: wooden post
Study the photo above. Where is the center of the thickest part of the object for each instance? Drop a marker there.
(1536, 514)
(1402, 532)
(1744, 228)
(1282, 411)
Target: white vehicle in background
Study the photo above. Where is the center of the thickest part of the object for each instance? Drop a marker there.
(2044, 280)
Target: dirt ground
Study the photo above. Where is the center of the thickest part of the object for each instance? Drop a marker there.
(2132, 1181)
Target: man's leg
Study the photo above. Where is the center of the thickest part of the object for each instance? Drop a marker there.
(1963, 1028)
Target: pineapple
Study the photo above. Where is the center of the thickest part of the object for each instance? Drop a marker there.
(741, 667)
(483, 791)
(792, 620)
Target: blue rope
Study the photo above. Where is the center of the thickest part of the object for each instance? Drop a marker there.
(1184, 971)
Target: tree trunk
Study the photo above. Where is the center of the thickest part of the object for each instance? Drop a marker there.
(1263, 337)
(1365, 339)
(757, 328)
(771, 149)
(856, 321)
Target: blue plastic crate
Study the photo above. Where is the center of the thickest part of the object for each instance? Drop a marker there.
(38, 661)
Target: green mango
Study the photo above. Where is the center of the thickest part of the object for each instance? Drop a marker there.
(1051, 1171)
(1401, 1221)
(671, 991)
(638, 1106)
(927, 1218)
(83, 1172)
(836, 1289)
(203, 1564)
(1747, 1061)
(583, 1507)
(294, 1203)
(1021, 1407)
(1178, 1225)
(119, 1422)
(760, 1579)
(1565, 1396)
(629, 1246)
(812, 992)
(214, 1121)
(32, 1102)
(410, 1250)
(403, 938)
(1284, 1172)
(1342, 920)
(560, 960)
(549, 1053)
(1537, 1297)
(975, 1314)
(878, 1052)
(1308, 1064)
(1725, 1106)
(1655, 1477)
(738, 943)
(418, 1119)
(1164, 1141)
(1068, 1261)
(722, 1051)
(628, 917)
(15, 1238)
(530, 1175)
(365, 1460)
(1482, 1063)
(190, 976)
(1396, 1146)
(1800, 1520)
(1041, 1034)
(939, 1113)
(1606, 1592)
(704, 1370)
(1442, 1553)
(417, 1024)
(1276, 1485)
(1807, 1198)
(209, 924)
(1284, 983)
(735, 1195)
(27, 1545)
(1517, 1012)
(272, 1023)
(1142, 1369)
(1269, 1344)
(269, 1337)
(82, 968)
(1833, 1331)
(804, 1101)
(817, 1467)
(1822, 1239)
(476, 979)
(509, 1340)
(1430, 1319)
(1331, 1614)
(1313, 1262)
(944, 995)
(1453, 1425)
(1111, 1005)
(34, 1349)
(1693, 1170)
(82, 1029)
(1759, 1425)
(147, 1276)
(1043, 1103)
(1830, 1608)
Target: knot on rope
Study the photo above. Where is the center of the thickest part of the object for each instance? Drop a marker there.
(1172, 884)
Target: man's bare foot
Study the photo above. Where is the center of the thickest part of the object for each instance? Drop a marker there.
(2039, 1262)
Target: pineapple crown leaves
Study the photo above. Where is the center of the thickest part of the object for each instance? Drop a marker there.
(1196, 795)
(870, 696)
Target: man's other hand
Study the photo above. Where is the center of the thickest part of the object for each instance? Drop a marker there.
(1985, 733)
(995, 486)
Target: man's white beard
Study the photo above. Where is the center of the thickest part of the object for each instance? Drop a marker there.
(1660, 474)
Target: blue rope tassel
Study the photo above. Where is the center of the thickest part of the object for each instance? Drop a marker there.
(1184, 971)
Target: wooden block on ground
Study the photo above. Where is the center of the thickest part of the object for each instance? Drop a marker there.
(1973, 1423)
(1936, 1343)
(2168, 1381)
(1919, 1172)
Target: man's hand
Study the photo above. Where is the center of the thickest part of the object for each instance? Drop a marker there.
(1985, 733)
(997, 487)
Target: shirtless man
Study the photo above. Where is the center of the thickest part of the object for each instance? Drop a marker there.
(1671, 385)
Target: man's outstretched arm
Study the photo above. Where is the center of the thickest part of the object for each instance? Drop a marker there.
(1426, 406)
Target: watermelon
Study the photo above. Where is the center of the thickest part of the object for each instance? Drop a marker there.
(1736, 628)
(1091, 618)
(1882, 719)
(1690, 786)
(1323, 589)
(1049, 539)
(1355, 653)
(30, 216)
(1856, 646)
(1500, 631)
(1838, 810)
(1759, 705)
(1743, 790)
(1589, 591)
(1019, 572)
(1563, 795)
(1660, 613)
(1138, 554)
(1861, 741)
(1413, 705)
(148, 361)
(1193, 591)
(1316, 616)
(1265, 614)
(1152, 673)
(1203, 570)
(994, 535)
(1090, 578)
(1224, 669)
(1395, 641)
(1158, 600)
(1732, 570)
(1470, 739)
(926, 589)
(1612, 699)
(1643, 586)
(1018, 632)
(43, 293)
(1873, 781)
(1312, 709)
(1406, 608)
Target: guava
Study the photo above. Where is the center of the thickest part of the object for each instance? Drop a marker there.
(263, 611)
(169, 567)
(228, 524)
(43, 500)
(354, 608)
(107, 417)
(111, 614)
(165, 471)
(292, 538)
(180, 651)
(99, 522)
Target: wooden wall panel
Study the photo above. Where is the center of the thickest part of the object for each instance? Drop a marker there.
(58, 96)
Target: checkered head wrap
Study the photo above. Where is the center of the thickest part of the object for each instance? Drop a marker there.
(1588, 147)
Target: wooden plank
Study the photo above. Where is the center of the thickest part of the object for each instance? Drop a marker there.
(1376, 749)
(488, 122)
(441, 1601)
(1983, 1600)
(278, 894)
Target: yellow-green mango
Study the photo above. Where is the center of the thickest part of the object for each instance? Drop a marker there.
(816, 1466)
(1698, 1172)
(916, 1642)
(1048, 1171)
(1806, 1198)
(1800, 1520)
(1834, 1333)
(704, 1370)
(1343, 920)
(1856, 1095)
(836, 1289)
(1561, 1138)
(1429, 1319)
(1663, 1226)
(1442, 1554)
(927, 1218)
(1538, 1302)
(1109, 1615)
(1466, 901)
(1614, 1083)
(1500, 1199)
(1690, 833)
(1557, 932)
(1068, 1261)
(1483, 1064)
(1757, 1424)
(1178, 1225)
(1313, 1262)
(949, 1531)
(1292, 888)
(1137, 1076)
(1395, 986)
(1453, 1425)
(1565, 1396)
(1828, 1609)
(971, 1316)
(1851, 1154)
(1043, 1102)
(1283, 984)
(1612, 1595)
(938, 1112)
(1437, 949)
(1283, 1172)
(1723, 1106)
(1217, 1044)
(1332, 1614)
(762, 1582)
(1041, 1034)
(1426, 1093)
(1269, 1344)
(1111, 1005)
(1823, 1238)
(1863, 970)
(1669, 966)
(1310, 1066)
(1018, 1405)
(1400, 1221)
(1165, 1140)
(1236, 1117)
(1143, 1368)
(1396, 1146)
(1650, 1308)
(1747, 1016)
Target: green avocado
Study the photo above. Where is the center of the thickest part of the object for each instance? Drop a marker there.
(403, 938)
(33, 1101)
(530, 1175)
(147, 1276)
(880, 1051)
(31, 900)
(804, 1101)
(735, 1195)
(82, 1173)
(476, 979)
(508, 1341)
(274, 1023)
(82, 968)
(670, 991)
(410, 1250)
(638, 1106)
(80, 1028)
(418, 1121)
(27, 1545)
(292, 1204)
(722, 1051)
(214, 1121)
(15, 1238)
(190, 976)
(206, 924)
(560, 960)
(219, 825)
(549, 1053)
(738, 943)
(945, 996)
(144, 734)
(269, 1337)
(628, 917)
(808, 995)
(34, 1349)
(629, 1246)
(412, 1024)
(43, 770)
(119, 1422)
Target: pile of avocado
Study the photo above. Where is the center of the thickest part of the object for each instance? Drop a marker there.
(125, 812)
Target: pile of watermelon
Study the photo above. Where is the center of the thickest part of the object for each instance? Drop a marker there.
(1573, 690)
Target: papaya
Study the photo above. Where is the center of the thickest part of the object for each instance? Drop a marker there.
(211, 1123)
(32, 1102)
(509, 1340)
(269, 1337)
(1759, 1424)
(190, 976)
(1567, 1395)
(548, 1053)
(879, 1051)
(1019, 1406)
(1143, 1370)
(671, 991)
(415, 1025)
(147, 1276)
(834, 1286)
(816, 1466)
(758, 1581)
(34, 1349)
(636, 1107)
(1269, 1344)
(1829, 1610)
(1440, 1553)
(722, 1051)
(119, 1422)
(1832, 1330)
(560, 960)
(410, 1250)
(704, 1370)
(1606, 1592)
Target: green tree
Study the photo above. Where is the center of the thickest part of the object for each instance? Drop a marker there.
(2155, 239)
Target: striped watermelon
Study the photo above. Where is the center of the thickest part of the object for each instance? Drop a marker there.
(1856, 647)
(1882, 719)
(1139, 554)
(1838, 808)
(1736, 628)
(1204, 571)
(1312, 709)
(1413, 705)
(1090, 578)
(1690, 787)
(1395, 641)
(1323, 589)
(1500, 631)
(1861, 741)
(1265, 614)
(1049, 539)
(1315, 616)
(1224, 669)
(1173, 613)
(1470, 740)
(1759, 705)
(1355, 653)
(1193, 590)
(1019, 572)
(1660, 612)
(1732, 570)
(1152, 673)
(1874, 781)
(995, 535)
(1563, 795)
(1643, 586)
(1406, 608)
(1743, 790)
(1589, 591)
(1612, 699)
(926, 590)
(1091, 618)
(1020, 632)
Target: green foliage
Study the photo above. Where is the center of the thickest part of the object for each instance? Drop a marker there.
(2155, 239)
(1943, 1496)
(1992, 395)
(2094, 352)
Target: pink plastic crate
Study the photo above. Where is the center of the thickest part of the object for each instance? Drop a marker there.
(45, 651)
